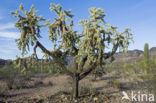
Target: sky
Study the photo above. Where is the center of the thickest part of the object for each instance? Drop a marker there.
(139, 15)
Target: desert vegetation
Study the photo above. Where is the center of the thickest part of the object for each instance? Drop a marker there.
(50, 85)
(90, 78)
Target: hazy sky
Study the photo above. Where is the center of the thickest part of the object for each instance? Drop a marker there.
(139, 15)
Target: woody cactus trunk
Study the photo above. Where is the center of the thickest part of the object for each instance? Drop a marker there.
(97, 42)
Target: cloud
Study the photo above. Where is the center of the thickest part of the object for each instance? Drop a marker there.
(8, 51)
(8, 48)
(8, 34)
(145, 5)
(13, 35)
(7, 26)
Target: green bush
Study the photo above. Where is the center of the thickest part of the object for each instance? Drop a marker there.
(115, 83)
(87, 90)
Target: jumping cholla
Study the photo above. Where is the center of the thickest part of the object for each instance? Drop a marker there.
(97, 42)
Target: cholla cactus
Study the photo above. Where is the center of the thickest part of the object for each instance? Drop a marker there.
(98, 41)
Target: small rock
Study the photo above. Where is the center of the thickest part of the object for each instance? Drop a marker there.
(95, 98)
(62, 96)
(66, 98)
(75, 101)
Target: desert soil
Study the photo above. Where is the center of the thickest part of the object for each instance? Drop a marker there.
(52, 85)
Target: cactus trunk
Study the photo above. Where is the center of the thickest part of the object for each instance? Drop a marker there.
(75, 87)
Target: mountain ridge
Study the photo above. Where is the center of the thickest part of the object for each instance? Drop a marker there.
(129, 57)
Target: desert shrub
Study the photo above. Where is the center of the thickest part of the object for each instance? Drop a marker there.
(151, 77)
(13, 78)
(99, 72)
(87, 90)
(71, 68)
(38, 83)
(3, 91)
(9, 74)
(115, 83)
(50, 83)
(44, 69)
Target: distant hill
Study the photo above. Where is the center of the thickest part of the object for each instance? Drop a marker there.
(120, 58)
(5, 62)
(129, 57)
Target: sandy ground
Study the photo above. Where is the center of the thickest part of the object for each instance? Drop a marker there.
(53, 84)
